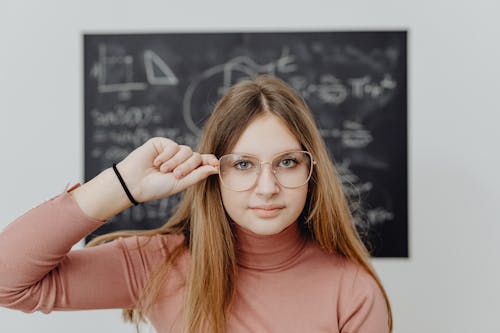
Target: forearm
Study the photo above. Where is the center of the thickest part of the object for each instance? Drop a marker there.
(102, 197)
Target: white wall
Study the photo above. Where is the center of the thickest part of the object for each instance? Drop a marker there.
(450, 283)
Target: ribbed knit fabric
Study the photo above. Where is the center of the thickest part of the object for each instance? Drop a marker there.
(285, 284)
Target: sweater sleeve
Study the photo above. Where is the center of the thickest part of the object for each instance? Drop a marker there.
(366, 311)
(38, 272)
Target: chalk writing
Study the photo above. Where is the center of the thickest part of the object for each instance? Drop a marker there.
(129, 116)
(157, 71)
(115, 72)
(353, 135)
(241, 67)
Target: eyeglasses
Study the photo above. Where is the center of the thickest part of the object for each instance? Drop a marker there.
(239, 172)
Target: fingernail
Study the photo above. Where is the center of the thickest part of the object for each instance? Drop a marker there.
(177, 173)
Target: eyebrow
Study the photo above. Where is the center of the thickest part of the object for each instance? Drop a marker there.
(280, 152)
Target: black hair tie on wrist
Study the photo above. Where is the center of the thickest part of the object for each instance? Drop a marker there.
(129, 195)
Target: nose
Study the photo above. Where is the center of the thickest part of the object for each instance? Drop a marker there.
(267, 184)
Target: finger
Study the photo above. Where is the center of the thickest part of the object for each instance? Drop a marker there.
(187, 166)
(166, 150)
(179, 157)
(210, 159)
(195, 176)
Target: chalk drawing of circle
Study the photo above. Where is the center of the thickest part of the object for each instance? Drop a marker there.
(203, 93)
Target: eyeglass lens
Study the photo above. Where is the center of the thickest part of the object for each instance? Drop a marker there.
(240, 172)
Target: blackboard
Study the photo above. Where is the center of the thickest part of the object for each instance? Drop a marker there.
(142, 85)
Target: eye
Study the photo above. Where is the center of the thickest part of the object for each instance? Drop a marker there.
(243, 164)
(287, 162)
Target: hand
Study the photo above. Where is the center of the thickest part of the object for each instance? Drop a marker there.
(161, 167)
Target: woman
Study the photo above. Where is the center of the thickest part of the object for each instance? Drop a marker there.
(262, 241)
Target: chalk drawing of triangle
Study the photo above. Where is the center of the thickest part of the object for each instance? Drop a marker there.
(157, 71)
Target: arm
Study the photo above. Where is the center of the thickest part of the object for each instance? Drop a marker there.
(38, 274)
(37, 271)
(157, 169)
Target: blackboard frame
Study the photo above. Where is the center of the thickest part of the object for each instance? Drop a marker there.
(356, 79)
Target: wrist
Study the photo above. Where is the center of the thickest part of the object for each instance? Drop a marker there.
(102, 197)
(124, 186)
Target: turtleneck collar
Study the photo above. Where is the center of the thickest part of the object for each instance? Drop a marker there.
(267, 252)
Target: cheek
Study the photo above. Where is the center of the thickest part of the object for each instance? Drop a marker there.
(297, 201)
(233, 202)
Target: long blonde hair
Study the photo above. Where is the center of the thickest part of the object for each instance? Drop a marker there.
(200, 216)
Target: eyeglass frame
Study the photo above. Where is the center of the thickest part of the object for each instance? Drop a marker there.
(313, 162)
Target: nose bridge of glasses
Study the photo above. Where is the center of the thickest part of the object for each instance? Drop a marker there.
(262, 177)
(271, 166)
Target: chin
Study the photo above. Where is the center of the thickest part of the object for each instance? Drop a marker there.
(265, 228)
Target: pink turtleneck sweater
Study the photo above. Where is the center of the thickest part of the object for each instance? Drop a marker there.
(285, 284)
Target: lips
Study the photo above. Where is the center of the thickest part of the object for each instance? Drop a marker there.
(267, 207)
(267, 210)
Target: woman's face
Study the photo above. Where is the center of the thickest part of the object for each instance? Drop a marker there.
(267, 208)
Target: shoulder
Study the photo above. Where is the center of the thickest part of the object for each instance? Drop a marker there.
(342, 276)
(359, 299)
(332, 264)
(362, 305)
